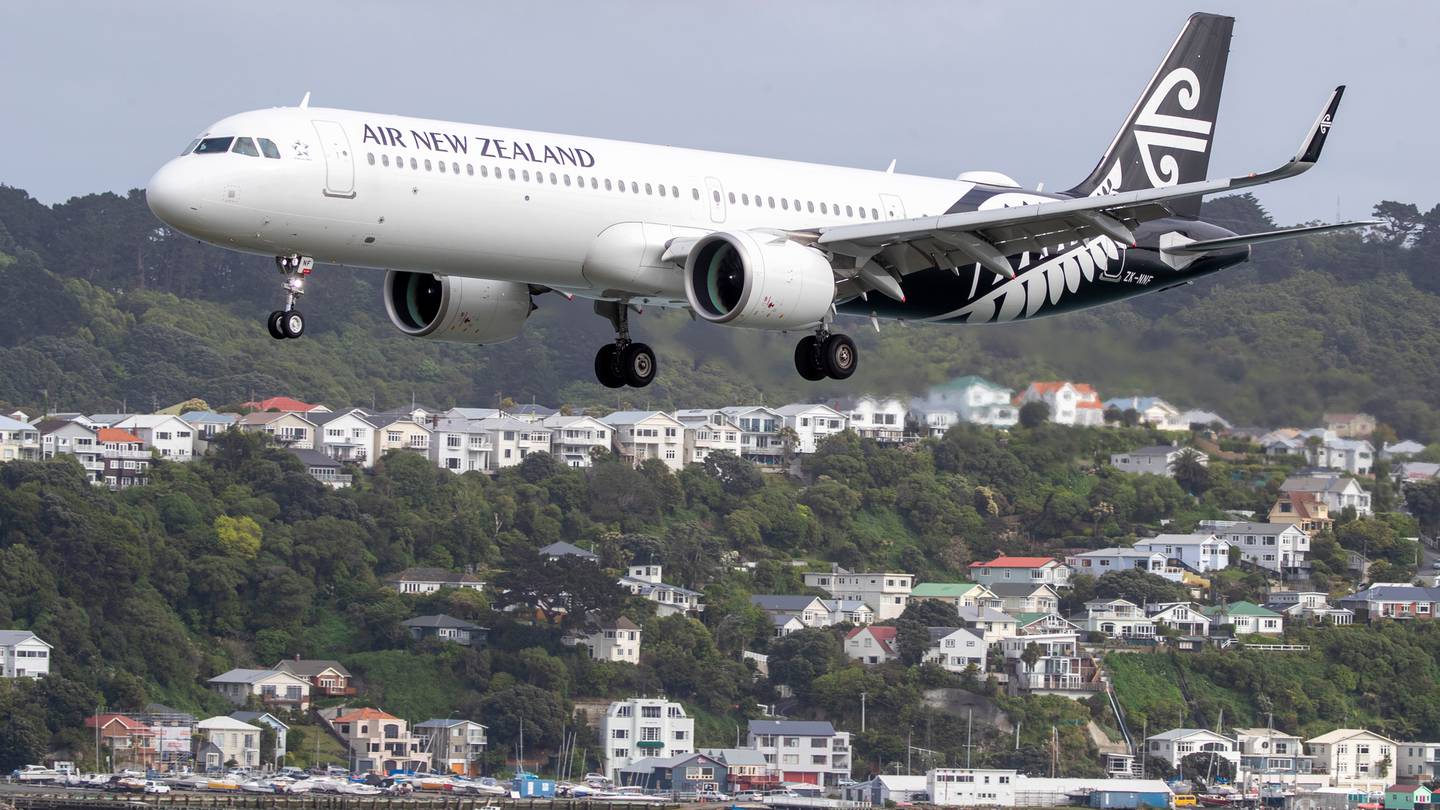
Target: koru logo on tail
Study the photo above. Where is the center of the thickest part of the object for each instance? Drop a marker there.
(1157, 132)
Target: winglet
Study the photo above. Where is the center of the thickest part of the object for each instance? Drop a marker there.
(305, 102)
(1315, 139)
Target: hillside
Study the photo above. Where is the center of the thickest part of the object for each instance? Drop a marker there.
(108, 309)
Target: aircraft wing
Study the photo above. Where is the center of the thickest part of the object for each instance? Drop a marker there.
(988, 236)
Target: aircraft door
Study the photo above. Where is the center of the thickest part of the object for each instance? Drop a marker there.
(715, 194)
(891, 205)
(339, 163)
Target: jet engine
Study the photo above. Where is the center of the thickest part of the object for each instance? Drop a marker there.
(758, 280)
(456, 308)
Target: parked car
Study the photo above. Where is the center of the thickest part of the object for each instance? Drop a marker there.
(152, 786)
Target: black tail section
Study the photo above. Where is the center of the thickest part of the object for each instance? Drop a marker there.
(1166, 138)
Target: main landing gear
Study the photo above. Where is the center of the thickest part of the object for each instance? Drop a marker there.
(824, 355)
(623, 362)
(290, 322)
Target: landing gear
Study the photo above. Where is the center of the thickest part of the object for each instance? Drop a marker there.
(824, 355)
(623, 362)
(289, 322)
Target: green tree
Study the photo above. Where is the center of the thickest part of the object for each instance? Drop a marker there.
(238, 536)
(1034, 414)
(1190, 472)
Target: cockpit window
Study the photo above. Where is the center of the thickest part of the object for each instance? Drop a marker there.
(268, 148)
(213, 146)
(191, 147)
(245, 146)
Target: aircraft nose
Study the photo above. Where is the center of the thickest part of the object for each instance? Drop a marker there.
(173, 194)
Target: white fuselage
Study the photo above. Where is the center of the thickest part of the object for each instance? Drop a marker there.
(581, 215)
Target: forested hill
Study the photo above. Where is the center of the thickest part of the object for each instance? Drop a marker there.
(106, 309)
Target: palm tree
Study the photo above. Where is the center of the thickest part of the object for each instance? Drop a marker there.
(1190, 471)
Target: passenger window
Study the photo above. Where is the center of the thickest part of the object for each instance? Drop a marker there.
(607, 184)
(784, 203)
(695, 192)
(595, 184)
(744, 199)
(862, 212)
(662, 190)
(567, 181)
(540, 177)
(455, 168)
(649, 190)
(428, 167)
(269, 149)
(849, 211)
(213, 146)
(771, 201)
(485, 171)
(552, 179)
(675, 192)
(732, 198)
(810, 206)
(384, 160)
(370, 158)
(511, 173)
(716, 195)
(191, 147)
(874, 214)
(525, 175)
(797, 205)
(824, 209)
(634, 187)
(414, 164)
(620, 184)
(442, 167)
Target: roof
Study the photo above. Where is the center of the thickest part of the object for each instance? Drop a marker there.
(6, 423)
(105, 719)
(534, 410)
(364, 714)
(251, 717)
(250, 675)
(1394, 593)
(564, 549)
(1182, 733)
(446, 722)
(1317, 483)
(983, 614)
(313, 458)
(1259, 528)
(1241, 608)
(433, 575)
(950, 590)
(782, 602)
(797, 408)
(1340, 735)
(224, 723)
(796, 728)
(1137, 403)
(287, 404)
(1179, 540)
(937, 633)
(209, 417)
(473, 413)
(1156, 450)
(619, 623)
(732, 757)
(9, 638)
(1003, 589)
(884, 636)
(631, 417)
(310, 667)
(441, 620)
(115, 436)
(1015, 562)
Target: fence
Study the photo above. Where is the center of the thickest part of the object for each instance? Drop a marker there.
(200, 801)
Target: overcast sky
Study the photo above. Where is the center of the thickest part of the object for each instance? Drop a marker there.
(95, 96)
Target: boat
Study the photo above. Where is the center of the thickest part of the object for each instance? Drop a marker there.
(222, 785)
(35, 775)
(258, 786)
(358, 789)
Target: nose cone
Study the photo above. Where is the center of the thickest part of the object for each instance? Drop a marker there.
(173, 194)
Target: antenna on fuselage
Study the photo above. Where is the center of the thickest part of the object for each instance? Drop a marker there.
(305, 102)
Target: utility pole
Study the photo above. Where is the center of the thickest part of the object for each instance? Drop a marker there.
(907, 753)
(97, 736)
(862, 715)
(969, 726)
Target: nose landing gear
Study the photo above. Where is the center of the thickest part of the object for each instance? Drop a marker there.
(824, 355)
(290, 322)
(623, 362)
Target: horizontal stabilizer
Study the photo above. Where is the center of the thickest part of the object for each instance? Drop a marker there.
(1243, 240)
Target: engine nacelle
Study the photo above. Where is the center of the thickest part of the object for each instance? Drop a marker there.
(758, 280)
(455, 308)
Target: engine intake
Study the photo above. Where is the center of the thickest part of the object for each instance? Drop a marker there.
(758, 280)
(455, 308)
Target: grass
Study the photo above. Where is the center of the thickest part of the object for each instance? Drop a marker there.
(411, 686)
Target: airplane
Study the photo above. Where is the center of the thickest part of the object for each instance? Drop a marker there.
(473, 222)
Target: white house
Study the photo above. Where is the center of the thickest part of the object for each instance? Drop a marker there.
(1176, 744)
(1075, 404)
(849, 611)
(1158, 460)
(1152, 411)
(645, 581)
(1247, 618)
(760, 441)
(1354, 456)
(1038, 570)
(871, 645)
(511, 440)
(23, 655)
(643, 435)
(975, 787)
(272, 687)
(287, 428)
(346, 436)
(281, 729)
(1270, 751)
(991, 624)
(1199, 552)
(880, 419)
(804, 751)
(812, 423)
(1026, 597)
(810, 611)
(172, 437)
(615, 640)
(1308, 606)
(575, 439)
(708, 430)
(975, 400)
(62, 437)
(1183, 617)
(1102, 561)
(1278, 547)
(956, 594)
(228, 740)
(638, 728)
(1417, 761)
(956, 648)
(455, 745)
(1335, 490)
(885, 790)
(19, 441)
(461, 445)
(430, 580)
(886, 592)
(1060, 668)
(1354, 757)
(1118, 618)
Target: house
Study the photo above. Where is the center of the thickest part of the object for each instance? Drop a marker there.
(1185, 618)
(1038, 570)
(454, 745)
(785, 624)
(974, 400)
(462, 445)
(129, 741)
(1152, 411)
(282, 732)
(1265, 750)
(446, 628)
(1353, 757)
(809, 752)
(1337, 491)
(1417, 761)
(1059, 668)
(379, 742)
(576, 440)
(747, 769)
(62, 437)
(1350, 425)
(347, 436)
(401, 432)
(886, 592)
(1407, 796)
(812, 424)
(1393, 601)
(1304, 509)
(991, 624)
(1354, 456)
(615, 640)
(1311, 607)
(690, 774)
(871, 645)
(1197, 419)
(1032, 624)
(23, 654)
(1075, 404)
(1407, 472)
(1175, 745)
(955, 594)
(981, 787)
(1026, 597)
(430, 580)
(327, 678)
(1247, 618)
(956, 649)
(875, 418)
(174, 731)
(321, 467)
(760, 439)
(272, 687)
(707, 431)
(810, 611)
(1157, 460)
(645, 581)
(1400, 449)
(1102, 561)
(127, 462)
(171, 437)
(889, 790)
(207, 425)
(928, 421)
(643, 435)
(848, 611)
(285, 405)
(1198, 552)
(556, 550)
(643, 727)
(19, 441)
(1117, 618)
(532, 412)
(1281, 548)
(227, 742)
(287, 429)
(511, 440)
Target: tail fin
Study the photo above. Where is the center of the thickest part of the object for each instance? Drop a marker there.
(1166, 138)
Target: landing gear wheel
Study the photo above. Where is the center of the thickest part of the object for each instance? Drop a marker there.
(292, 323)
(807, 358)
(637, 365)
(838, 356)
(607, 369)
(273, 323)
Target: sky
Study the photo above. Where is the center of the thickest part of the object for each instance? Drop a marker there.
(95, 96)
